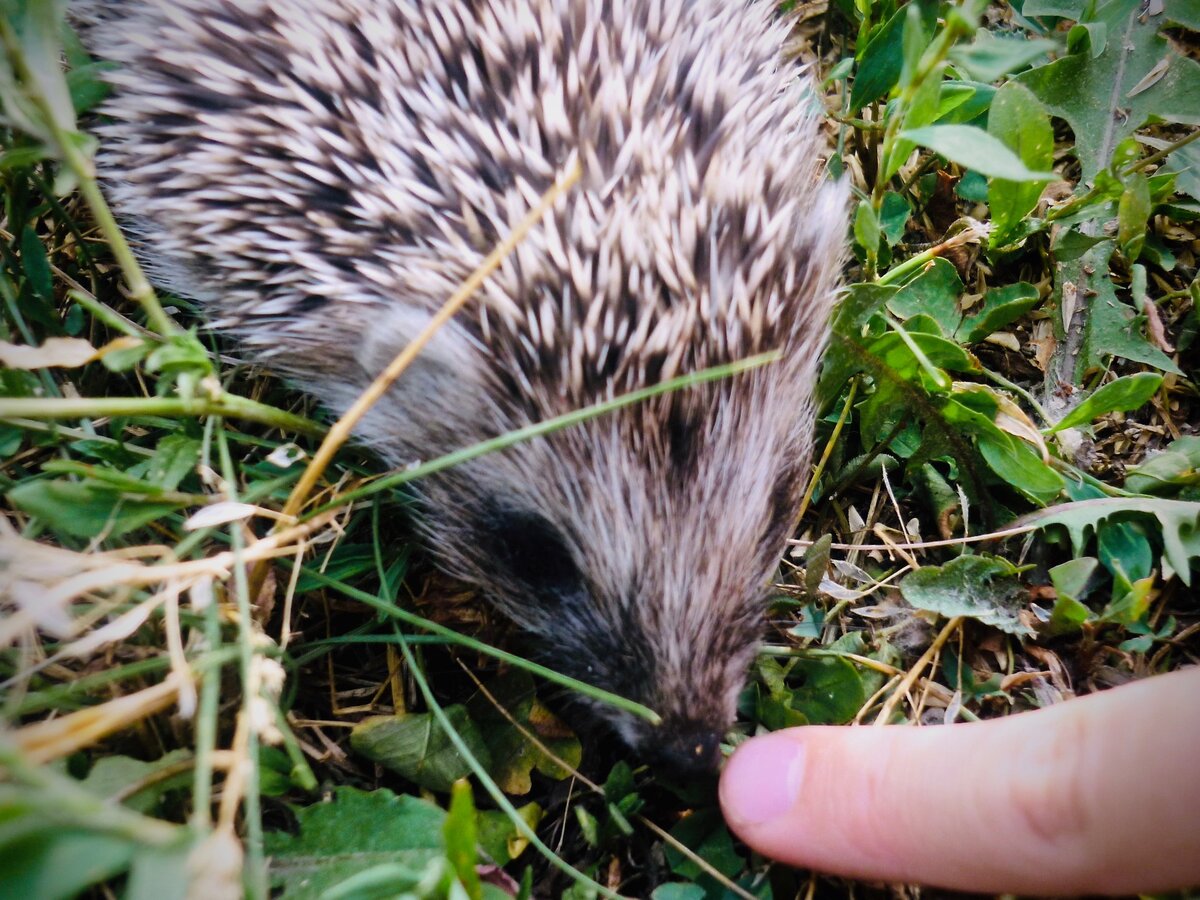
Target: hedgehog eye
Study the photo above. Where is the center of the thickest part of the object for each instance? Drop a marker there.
(534, 552)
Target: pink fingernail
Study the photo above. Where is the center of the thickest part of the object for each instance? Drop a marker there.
(762, 781)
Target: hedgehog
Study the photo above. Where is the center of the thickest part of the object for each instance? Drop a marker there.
(320, 175)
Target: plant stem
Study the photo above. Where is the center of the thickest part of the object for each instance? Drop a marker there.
(540, 429)
(84, 171)
(256, 864)
(227, 405)
(486, 781)
(471, 643)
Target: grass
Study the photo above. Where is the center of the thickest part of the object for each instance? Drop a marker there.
(215, 617)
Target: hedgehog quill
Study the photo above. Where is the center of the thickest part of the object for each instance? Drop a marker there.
(322, 174)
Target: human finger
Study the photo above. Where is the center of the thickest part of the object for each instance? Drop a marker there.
(1095, 795)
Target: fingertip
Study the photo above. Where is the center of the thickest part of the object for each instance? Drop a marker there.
(762, 780)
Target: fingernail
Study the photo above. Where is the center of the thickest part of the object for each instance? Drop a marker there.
(762, 781)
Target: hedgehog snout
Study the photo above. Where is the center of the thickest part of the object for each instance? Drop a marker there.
(690, 748)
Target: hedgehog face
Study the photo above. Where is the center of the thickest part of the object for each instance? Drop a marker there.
(638, 556)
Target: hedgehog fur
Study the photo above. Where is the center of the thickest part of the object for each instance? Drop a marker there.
(322, 175)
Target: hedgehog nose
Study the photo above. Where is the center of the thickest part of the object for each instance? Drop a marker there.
(690, 751)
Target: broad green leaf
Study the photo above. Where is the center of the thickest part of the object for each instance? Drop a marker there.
(1174, 470)
(1184, 12)
(1067, 615)
(1106, 98)
(160, 873)
(831, 692)
(975, 149)
(1001, 307)
(964, 102)
(705, 833)
(1089, 37)
(1018, 120)
(1072, 243)
(86, 509)
(1070, 580)
(1179, 523)
(984, 588)
(1020, 465)
(935, 292)
(1122, 395)
(1063, 9)
(415, 746)
(60, 863)
(882, 59)
(1185, 164)
(989, 57)
(115, 774)
(357, 829)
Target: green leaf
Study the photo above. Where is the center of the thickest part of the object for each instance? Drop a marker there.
(984, 588)
(499, 837)
(36, 265)
(1122, 395)
(1185, 164)
(514, 757)
(704, 832)
(115, 774)
(174, 459)
(1106, 98)
(1001, 307)
(1179, 523)
(414, 746)
(1088, 37)
(1071, 244)
(1070, 579)
(990, 57)
(963, 102)
(1172, 471)
(459, 834)
(1020, 465)
(54, 863)
(86, 509)
(1133, 212)
(882, 59)
(866, 228)
(1018, 120)
(831, 693)
(975, 149)
(1063, 9)
(678, 890)
(1112, 328)
(935, 292)
(893, 217)
(356, 830)
(922, 109)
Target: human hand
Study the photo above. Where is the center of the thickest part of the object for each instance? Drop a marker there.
(1095, 795)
